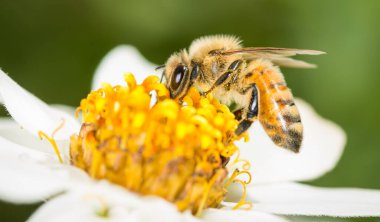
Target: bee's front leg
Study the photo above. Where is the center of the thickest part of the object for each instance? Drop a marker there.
(251, 111)
(222, 78)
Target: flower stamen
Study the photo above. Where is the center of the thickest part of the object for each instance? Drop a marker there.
(205, 196)
(244, 183)
(51, 139)
(242, 201)
(235, 174)
(60, 126)
(246, 164)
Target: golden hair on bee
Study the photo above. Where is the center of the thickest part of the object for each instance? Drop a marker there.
(248, 80)
(204, 45)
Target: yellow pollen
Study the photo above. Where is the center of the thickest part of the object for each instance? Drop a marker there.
(51, 140)
(177, 150)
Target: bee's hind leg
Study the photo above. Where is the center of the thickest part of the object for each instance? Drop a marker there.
(251, 111)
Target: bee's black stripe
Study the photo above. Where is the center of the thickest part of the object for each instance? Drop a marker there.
(293, 144)
(288, 117)
(285, 102)
(268, 125)
(295, 134)
(277, 139)
(277, 85)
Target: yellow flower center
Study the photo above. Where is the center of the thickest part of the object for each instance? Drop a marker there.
(177, 150)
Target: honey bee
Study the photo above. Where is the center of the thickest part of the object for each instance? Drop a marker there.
(248, 80)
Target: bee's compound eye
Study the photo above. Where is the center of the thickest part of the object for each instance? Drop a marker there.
(178, 76)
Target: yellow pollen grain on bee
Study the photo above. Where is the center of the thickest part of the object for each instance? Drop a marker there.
(177, 150)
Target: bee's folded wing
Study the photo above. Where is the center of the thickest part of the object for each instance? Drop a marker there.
(278, 56)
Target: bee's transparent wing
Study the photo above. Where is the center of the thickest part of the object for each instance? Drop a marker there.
(278, 56)
(292, 63)
(273, 51)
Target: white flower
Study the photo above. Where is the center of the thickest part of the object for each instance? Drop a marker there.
(30, 171)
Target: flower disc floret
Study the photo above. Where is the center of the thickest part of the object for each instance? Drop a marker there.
(177, 150)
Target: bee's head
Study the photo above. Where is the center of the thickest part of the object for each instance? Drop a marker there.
(177, 74)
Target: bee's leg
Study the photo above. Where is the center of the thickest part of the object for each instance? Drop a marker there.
(219, 81)
(239, 114)
(194, 73)
(222, 78)
(251, 111)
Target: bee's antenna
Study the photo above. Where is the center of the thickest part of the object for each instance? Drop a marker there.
(162, 77)
(160, 67)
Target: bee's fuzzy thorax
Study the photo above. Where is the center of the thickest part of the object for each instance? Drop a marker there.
(205, 44)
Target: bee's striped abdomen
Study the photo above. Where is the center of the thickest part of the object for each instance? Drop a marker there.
(277, 112)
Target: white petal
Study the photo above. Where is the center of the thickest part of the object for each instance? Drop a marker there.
(84, 201)
(153, 207)
(33, 114)
(69, 110)
(298, 199)
(69, 207)
(28, 176)
(224, 215)
(321, 149)
(14, 133)
(120, 60)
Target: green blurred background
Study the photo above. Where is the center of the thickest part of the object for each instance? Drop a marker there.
(53, 47)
